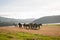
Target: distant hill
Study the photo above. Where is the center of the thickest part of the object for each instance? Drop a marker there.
(48, 19)
(9, 21)
(27, 20)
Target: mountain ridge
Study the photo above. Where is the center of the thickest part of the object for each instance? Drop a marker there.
(10, 21)
(48, 19)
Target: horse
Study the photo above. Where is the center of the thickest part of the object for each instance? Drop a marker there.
(20, 25)
(39, 25)
(26, 26)
(32, 26)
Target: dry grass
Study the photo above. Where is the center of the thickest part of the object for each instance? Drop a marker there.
(45, 30)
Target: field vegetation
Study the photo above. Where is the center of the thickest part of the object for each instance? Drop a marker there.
(24, 36)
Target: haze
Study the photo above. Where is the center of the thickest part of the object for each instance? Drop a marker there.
(23, 9)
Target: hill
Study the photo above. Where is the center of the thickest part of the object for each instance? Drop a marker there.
(48, 19)
(10, 21)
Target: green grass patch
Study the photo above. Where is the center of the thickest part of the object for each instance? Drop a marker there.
(25, 36)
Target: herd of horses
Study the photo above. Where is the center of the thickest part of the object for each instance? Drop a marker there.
(30, 26)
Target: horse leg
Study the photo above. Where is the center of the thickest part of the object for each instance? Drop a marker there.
(39, 27)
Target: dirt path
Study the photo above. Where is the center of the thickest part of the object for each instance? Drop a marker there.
(45, 30)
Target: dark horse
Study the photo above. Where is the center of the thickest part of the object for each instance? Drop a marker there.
(26, 26)
(20, 25)
(32, 26)
(39, 25)
(35, 26)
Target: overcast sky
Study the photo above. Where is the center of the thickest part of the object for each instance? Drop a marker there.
(23, 9)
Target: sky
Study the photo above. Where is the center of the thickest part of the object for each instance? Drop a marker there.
(24, 9)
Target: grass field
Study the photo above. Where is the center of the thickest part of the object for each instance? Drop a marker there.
(45, 33)
(24, 36)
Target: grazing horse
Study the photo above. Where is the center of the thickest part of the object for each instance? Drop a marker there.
(35, 26)
(20, 25)
(39, 25)
(32, 26)
(26, 26)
